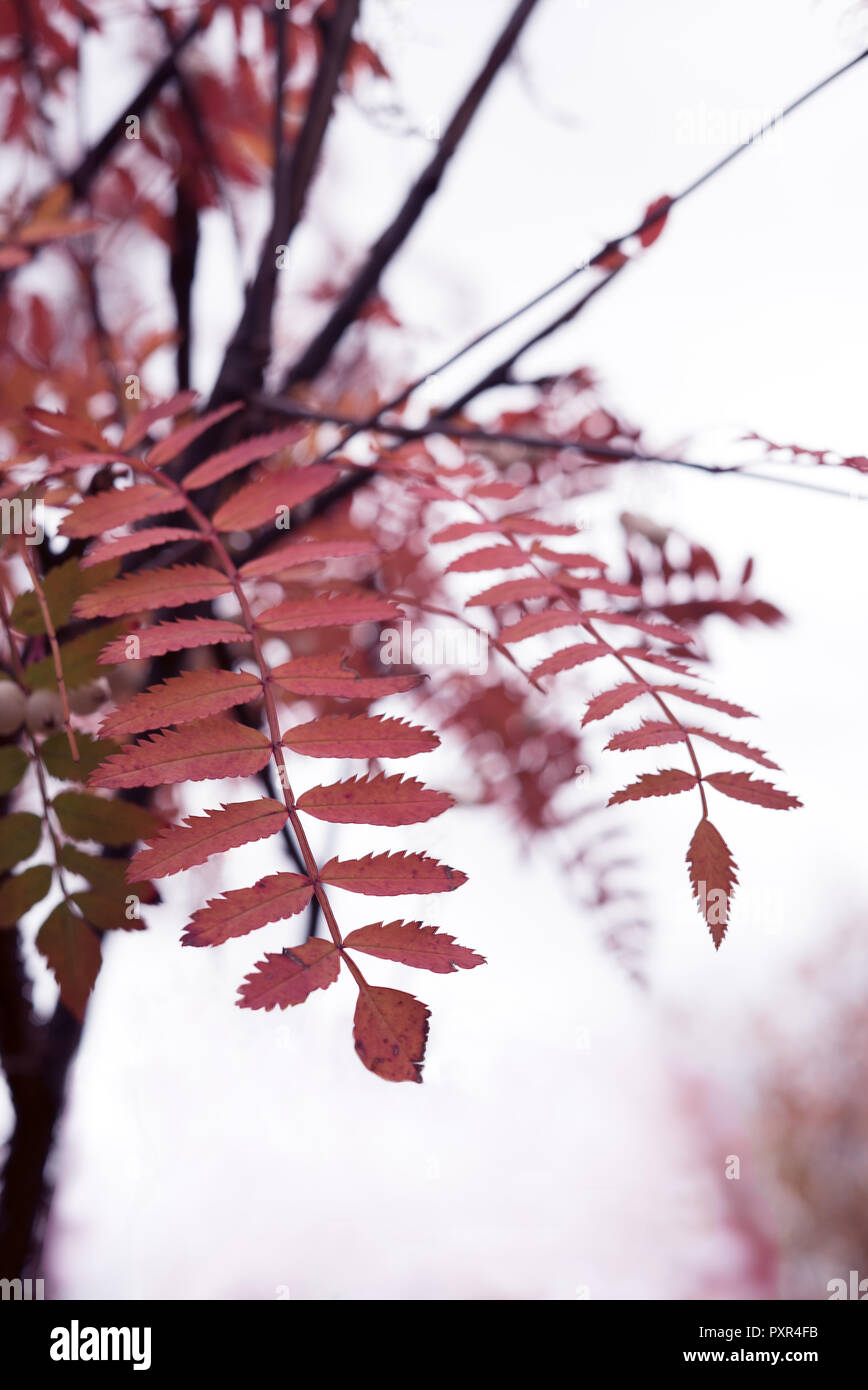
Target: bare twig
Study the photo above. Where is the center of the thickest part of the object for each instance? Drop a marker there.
(317, 353)
(596, 455)
(651, 219)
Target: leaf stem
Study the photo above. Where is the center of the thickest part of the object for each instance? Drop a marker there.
(55, 650)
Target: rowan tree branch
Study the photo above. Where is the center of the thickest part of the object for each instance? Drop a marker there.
(318, 352)
(247, 355)
(596, 454)
(501, 375)
(649, 221)
(39, 1080)
(82, 176)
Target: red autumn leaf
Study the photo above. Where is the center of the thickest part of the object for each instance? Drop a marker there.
(738, 610)
(359, 736)
(178, 635)
(208, 748)
(74, 427)
(192, 695)
(532, 624)
(70, 463)
(535, 526)
(613, 259)
(668, 663)
(610, 700)
(11, 257)
(490, 557)
(665, 783)
(180, 439)
(379, 800)
(261, 501)
(327, 675)
(713, 877)
(702, 562)
(390, 1030)
(698, 697)
(734, 745)
(569, 560)
(244, 910)
(666, 632)
(138, 428)
(290, 976)
(431, 492)
(295, 553)
(460, 530)
(596, 581)
(196, 839)
(651, 232)
(410, 943)
(261, 446)
(120, 507)
(326, 610)
(504, 491)
(139, 540)
(514, 591)
(165, 588)
(651, 733)
(743, 786)
(388, 875)
(56, 229)
(570, 657)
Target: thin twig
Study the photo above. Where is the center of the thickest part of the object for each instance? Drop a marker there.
(650, 220)
(600, 455)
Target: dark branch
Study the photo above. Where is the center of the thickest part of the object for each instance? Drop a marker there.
(36, 1059)
(316, 355)
(182, 270)
(248, 352)
(501, 375)
(81, 178)
(651, 220)
(595, 454)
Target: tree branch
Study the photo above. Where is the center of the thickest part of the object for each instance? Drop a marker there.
(317, 353)
(596, 455)
(649, 221)
(85, 172)
(39, 1080)
(247, 355)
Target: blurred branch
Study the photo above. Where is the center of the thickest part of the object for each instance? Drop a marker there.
(90, 165)
(37, 1080)
(651, 220)
(82, 176)
(597, 454)
(182, 271)
(250, 348)
(501, 375)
